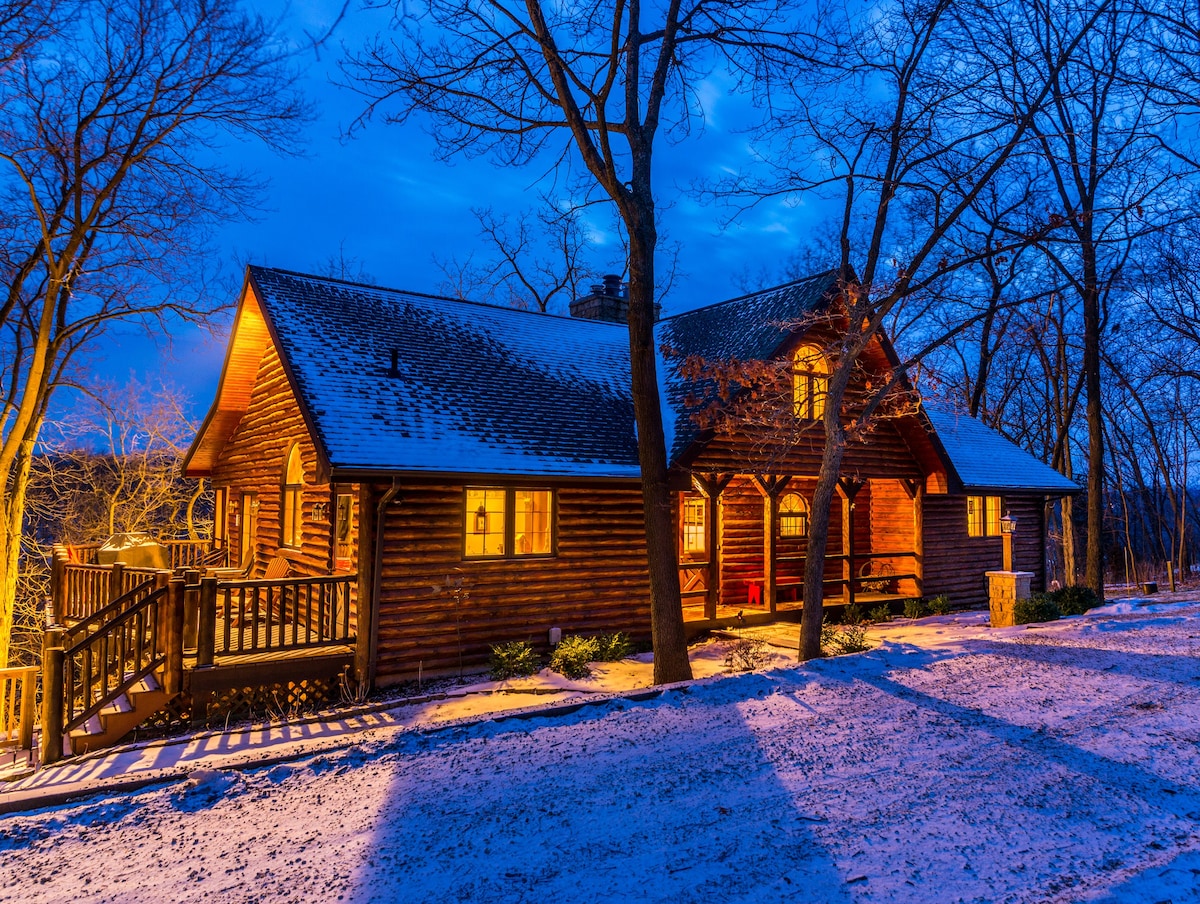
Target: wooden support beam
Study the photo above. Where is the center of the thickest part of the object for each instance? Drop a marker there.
(918, 507)
(173, 672)
(848, 488)
(52, 698)
(711, 486)
(771, 487)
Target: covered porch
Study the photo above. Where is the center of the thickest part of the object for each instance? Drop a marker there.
(743, 546)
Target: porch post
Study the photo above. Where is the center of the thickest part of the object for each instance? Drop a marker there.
(848, 489)
(770, 487)
(711, 486)
(916, 493)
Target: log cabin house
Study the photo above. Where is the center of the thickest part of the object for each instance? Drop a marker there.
(475, 469)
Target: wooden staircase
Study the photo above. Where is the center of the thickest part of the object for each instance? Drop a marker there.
(112, 671)
(119, 715)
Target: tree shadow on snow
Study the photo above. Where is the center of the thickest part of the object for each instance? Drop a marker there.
(621, 801)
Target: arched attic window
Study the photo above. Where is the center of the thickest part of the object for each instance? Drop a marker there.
(810, 382)
(291, 512)
(793, 516)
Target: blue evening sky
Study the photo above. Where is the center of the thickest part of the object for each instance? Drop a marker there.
(383, 199)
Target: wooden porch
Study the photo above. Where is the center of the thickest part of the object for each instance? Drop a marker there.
(750, 568)
(123, 644)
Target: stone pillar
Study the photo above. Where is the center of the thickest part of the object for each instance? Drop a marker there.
(1004, 589)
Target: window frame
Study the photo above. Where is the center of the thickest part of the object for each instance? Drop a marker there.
(510, 521)
(802, 514)
(984, 521)
(810, 382)
(291, 502)
(694, 529)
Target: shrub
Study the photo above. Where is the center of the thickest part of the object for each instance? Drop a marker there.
(837, 641)
(1075, 600)
(940, 605)
(513, 660)
(572, 655)
(747, 654)
(1038, 608)
(613, 647)
(852, 615)
(880, 613)
(914, 607)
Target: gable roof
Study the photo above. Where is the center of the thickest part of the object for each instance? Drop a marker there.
(400, 382)
(983, 459)
(750, 328)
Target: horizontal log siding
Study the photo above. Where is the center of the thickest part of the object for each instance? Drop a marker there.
(597, 582)
(253, 461)
(884, 454)
(955, 564)
(742, 539)
(892, 526)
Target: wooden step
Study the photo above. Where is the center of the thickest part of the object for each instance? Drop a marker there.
(119, 717)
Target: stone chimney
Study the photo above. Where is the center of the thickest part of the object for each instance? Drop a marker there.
(608, 300)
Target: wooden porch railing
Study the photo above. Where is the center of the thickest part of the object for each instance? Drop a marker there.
(18, 705)
(262, 616)
(151, 626)
(126, 641)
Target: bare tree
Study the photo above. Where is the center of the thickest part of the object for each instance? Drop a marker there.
(108, 185)
(596, 86)
(907, 116)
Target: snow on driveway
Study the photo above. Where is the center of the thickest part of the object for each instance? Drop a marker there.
(1053, 764)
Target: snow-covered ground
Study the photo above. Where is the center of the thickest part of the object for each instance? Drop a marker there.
(953, 762)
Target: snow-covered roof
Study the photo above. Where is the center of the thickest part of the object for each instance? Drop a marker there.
(983, 459)
(393, 382)
(750, 328)
(476, 388)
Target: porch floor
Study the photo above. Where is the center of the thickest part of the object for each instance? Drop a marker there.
(695, 622)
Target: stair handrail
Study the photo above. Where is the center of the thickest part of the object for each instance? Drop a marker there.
(88, 663)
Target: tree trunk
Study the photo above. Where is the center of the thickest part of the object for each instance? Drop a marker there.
(666, 612)
(10, 546)
(1094, 576)
(818, 542)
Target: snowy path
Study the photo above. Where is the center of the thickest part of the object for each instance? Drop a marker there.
(1056, 764)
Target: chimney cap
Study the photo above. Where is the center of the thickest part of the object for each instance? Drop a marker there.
(612, 284)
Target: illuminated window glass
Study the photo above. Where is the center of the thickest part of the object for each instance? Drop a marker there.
(793, 516)
(532, 522)
(810, 382)
(983, 516)
(485, 522)
(694, 533)
(292, 516)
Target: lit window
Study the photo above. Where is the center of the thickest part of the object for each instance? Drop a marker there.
(292, 518)
(810, 382)
(503, 521)
(485, 522)
(983, 516)
(793, 516)
(531, 513)
(694, 533)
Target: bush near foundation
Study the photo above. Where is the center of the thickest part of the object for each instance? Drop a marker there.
(914, 608)
(1038, 608)
(513, 660)
(940, 605)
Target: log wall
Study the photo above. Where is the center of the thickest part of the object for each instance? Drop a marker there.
(955, 564)
(253, 460)
(597, 582)
(892, 526)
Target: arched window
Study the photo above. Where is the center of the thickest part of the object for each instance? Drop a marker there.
(810, 382)
(793, 516)
(291, 516)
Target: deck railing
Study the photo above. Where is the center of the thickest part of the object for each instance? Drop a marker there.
(263, 616)
(18, 706)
